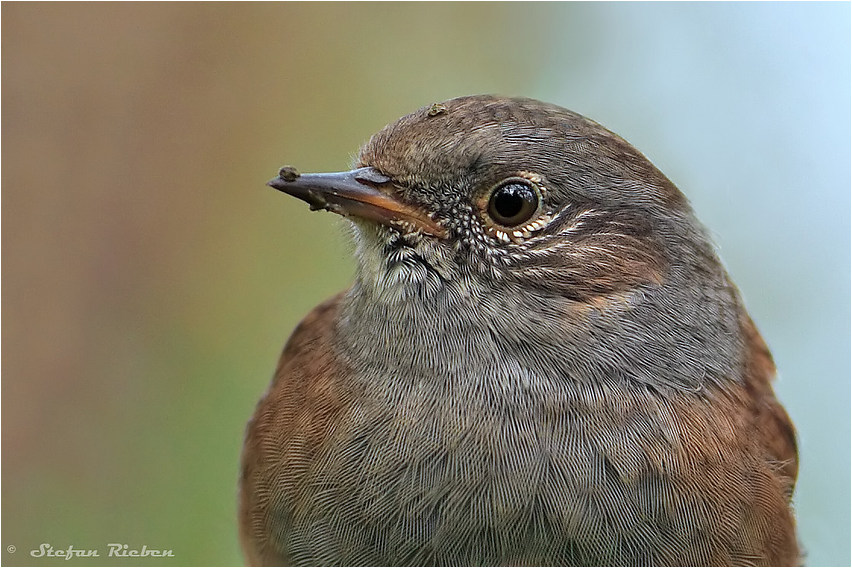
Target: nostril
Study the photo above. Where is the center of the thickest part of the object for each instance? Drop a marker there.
(371, 176)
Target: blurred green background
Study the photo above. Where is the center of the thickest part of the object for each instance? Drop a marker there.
(150, 278)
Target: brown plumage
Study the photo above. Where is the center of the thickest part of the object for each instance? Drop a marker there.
(541, 361)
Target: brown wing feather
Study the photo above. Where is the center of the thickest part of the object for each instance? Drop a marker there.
(773, 426)
(290, 423)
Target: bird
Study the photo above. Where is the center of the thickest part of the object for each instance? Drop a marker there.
(541, 361)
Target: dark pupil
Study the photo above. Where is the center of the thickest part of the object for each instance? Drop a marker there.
(512, 204)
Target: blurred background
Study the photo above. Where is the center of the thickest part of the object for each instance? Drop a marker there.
(150, 278)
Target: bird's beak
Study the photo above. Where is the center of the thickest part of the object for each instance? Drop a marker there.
(363, 192)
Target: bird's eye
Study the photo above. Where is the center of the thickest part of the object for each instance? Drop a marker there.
(513, 203)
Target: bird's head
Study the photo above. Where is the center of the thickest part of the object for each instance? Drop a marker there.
(515, 206)
(515, 192)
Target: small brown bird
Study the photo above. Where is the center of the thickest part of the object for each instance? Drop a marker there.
(541, 361)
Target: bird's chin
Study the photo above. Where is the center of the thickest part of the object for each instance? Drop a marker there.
(398, 265)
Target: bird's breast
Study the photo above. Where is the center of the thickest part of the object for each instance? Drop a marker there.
(357, 459)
